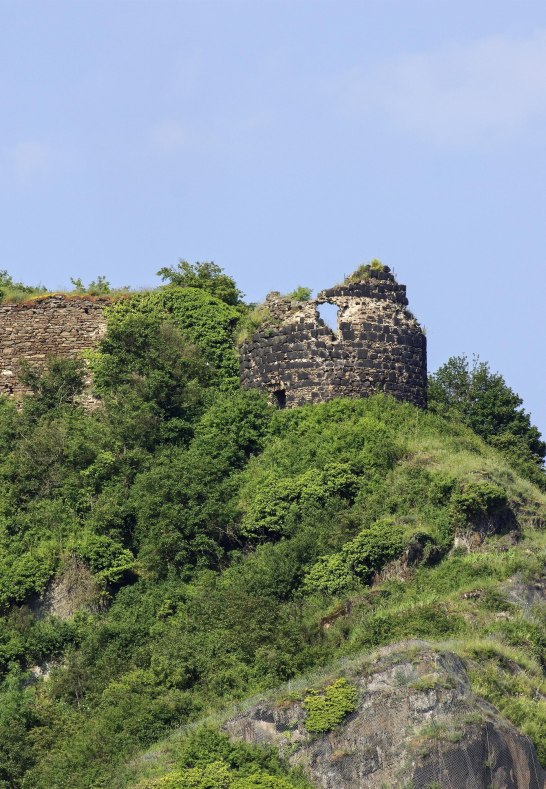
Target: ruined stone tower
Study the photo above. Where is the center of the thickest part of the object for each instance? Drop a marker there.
(377, 346)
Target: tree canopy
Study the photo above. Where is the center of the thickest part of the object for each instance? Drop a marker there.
(207, 276)
(482, 399)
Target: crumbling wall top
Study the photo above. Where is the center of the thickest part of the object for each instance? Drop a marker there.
(373, 283)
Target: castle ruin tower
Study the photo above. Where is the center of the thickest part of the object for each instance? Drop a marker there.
(376, 346)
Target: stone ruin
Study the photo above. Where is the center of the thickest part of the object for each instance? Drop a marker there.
(51, 325)
(376, 346)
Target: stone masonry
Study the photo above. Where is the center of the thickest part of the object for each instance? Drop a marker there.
(378, 346)
(52, 325)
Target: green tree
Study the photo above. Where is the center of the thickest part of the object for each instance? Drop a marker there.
(151, 378)
(482, 399)
(55, 385)
(206, 276)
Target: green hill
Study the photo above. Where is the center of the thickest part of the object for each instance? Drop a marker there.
(185, 547)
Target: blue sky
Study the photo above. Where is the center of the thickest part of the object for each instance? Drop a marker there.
(288, 141)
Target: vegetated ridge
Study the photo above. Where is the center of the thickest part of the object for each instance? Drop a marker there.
(187, 567)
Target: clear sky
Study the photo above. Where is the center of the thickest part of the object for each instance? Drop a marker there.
(288, 141)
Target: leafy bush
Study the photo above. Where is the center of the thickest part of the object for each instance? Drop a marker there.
(205, 276)
(300, 293)
(326, 709)
(25, 574)
(331, 575)
(207, 760)
(475, 502)
(358, 560)
(275, 506)
(105, 557)
(374, 547)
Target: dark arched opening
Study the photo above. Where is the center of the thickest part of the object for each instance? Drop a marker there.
(279, 398)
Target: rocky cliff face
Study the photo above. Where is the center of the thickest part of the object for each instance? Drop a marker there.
(416, 724)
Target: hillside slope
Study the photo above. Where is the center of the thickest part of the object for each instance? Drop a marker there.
(186, 547)
(423, 532)
(415, 723)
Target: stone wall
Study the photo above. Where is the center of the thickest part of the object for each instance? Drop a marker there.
(377, 346)
(54, 325)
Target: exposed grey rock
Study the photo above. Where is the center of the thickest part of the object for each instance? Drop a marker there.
(73, 589)
(417, 724)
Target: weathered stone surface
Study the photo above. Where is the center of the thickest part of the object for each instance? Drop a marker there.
(378, 346)
(73, 589)
(54, 325)
(417, 724)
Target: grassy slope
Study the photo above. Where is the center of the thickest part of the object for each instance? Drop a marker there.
(501, 644)
(309, 527)
(460, 601)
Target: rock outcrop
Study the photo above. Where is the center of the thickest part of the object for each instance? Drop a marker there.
(416, 725)
(73, 589)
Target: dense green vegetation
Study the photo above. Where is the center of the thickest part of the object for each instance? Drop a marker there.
(203, 547)
(483, 401)
(326, 709)
(205, 276)
(205, 759)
